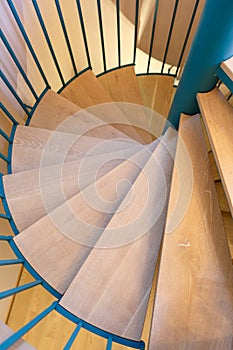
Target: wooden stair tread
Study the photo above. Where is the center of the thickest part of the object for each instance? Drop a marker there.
(157, 92)
(228, 225)
(59, 183)
(86, 91)
(6, 332)
(30, 144)
(217, 114)
(56, 112)
(227, 67)
(44, 245)
(128, 262)
(122, 85)
(194, 300)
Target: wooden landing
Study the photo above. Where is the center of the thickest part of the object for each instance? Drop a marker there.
(56, 112)
(194, 300)
(122, 85)
(126, 254)
(68, 233)
(227, 67)
(36, 148)
(86, 91)
(217, 114)
(6, 332)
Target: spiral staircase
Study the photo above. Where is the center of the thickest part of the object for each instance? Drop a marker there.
(119, 226)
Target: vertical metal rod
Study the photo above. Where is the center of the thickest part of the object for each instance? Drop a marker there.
(39, 16)
(27, 41)
(12, 119)
(118, 31)
(153, 34)
(12, 291)
(83, 32)
(7, 161)
(25, 329)
(136, 31)
(73, 336)
(14, 93)
(11, 262)
(6, 137)
(101, 34)
(209, 48)
(187, 35)
(4, 216)
(170, 34)
(16, 61)
(66, 36)
(109, 344)
(229, 97)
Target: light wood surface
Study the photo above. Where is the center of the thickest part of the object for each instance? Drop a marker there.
(56, 112)
(25, 191)
(228, 225)
(86, 91)
(54, 331)
(68, 233)
(6, 332)
(227, 66)
(126, 254)
(213, 166)
(194, 299)
(122, 85)
(157, 92)
(36, 148)
(217, 114)
(222, 200)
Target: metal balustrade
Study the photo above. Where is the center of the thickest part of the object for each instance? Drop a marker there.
(29, 110)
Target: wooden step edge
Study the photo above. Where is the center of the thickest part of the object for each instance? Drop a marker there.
(217, 115)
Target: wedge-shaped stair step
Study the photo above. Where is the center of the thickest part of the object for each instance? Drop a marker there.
(122, 85)
(6, 332)
(217, 114)
(57, 183)
(194, 300)
(35, 148)
(112, 288)
(157, 92)
(56, 112)
(86, 91)
(68, 233)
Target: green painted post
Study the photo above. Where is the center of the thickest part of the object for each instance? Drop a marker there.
(213, 43)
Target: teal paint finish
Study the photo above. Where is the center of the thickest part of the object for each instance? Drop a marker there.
(212, 44)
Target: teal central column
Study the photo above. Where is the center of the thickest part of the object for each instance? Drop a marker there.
(213, 43)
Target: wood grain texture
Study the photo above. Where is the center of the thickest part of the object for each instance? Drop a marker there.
(56, 112)
(37, 148)
(68, 233)
(228, 225)
(217, 114)
(53, 331)
(25, 191)
(6, 332)
(227, 66)
(122, 85)
(115, 263)
(194, 299)
(222, 200)
(213, 166)
(157, 93)
(86, 91)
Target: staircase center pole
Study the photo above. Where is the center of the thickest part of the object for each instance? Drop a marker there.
(213, 43)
